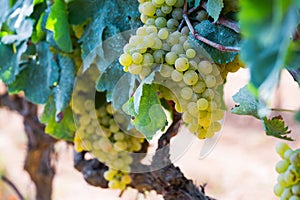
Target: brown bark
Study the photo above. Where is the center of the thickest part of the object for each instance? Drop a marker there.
(40, 147)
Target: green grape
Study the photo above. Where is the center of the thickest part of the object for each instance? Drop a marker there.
(158, 1)
(193, 109)
(126, 179)
(166, 70)
(201, 15)
(171, 58)
(157, 44)
(172, 23)
(148, 60)
(187, 117)
(286, 194)
(205, 67)
(161, 22)
(210, 81)
(151, 29)
(182, 64)
(150, 21)
(177, 13)
(119, 136)
(190, 53)
(173, 39)
(176, 76)
(145, 72)
(193, 127)
(190, 77)
(114, 184)
(148, 9)
(199, 87)
(137, 58)
(166, 9)
(186, 93)
(209, 94)
(135, 69)
(143, 18)
(179, 4)
(296, 189)
(163, 34)
(141, 31)
(287, 154)
(281, 148)
(295, 158)
(178, 49)
(291, 176)
(159, 13)
(278, 190)
(166, 47)
(294, 197)
(202, 104)
(185, 30)
(282, 166)
(171, 2)
(125, 59)
(158, 56)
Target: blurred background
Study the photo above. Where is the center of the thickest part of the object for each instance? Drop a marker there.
(241, 166)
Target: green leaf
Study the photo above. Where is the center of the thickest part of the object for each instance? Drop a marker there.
(36, 80)
(151, 117)
(57, 22)
(38, 33)
(112, 18)
(64, 129)
(276, 127)
(63, 91)
(109, 78)
(218, 34)
(247, 103)
(267, 30)
(214, 8)
(9, 62)
(89, 6)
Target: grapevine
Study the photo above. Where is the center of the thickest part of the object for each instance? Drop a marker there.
(117, 78)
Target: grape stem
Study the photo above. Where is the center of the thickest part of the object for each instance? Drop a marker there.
(12, 185)
(203, 39)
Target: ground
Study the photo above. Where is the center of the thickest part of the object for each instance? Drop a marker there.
(241, 166)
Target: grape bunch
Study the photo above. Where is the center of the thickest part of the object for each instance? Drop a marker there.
(185, 75)
(98, 132)
(288, 181)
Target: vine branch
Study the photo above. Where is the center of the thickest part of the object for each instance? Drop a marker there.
(205, 40)
(13, 186)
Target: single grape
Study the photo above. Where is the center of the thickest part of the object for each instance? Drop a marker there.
(294, 197)
(190, 53)
(172, 23)
(125, 59)
(178, 49)
(281, 148)
(205, 67)
(190, 77)
(186, 93)
(137, 58)
(193, 109)
(182, 64)
(148, 9)
(150, 21)
(166, 9)
(135, 69)
(171, 2)
(199, 87)
(278, 190)
(210, 81)
(163, 34)
(185, 30)
(161, 22)
(282, 166)
(177, 13)
(171, 58)
(296, 189)
(202, 104)
(166, 70)
(295, 158)
(159, 13)
(158, 56)
(176, 75)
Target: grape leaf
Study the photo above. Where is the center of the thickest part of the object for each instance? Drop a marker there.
(108, 79)
(276, 127)
(139, 91)
(218, 34)
(36, 80)
(65, 129)
(9, 62)
(112, 18)
(89, 6)
(214, 8)
(63, 90)
(247, 103)
(57, 22)
(267, 30)
(151, 117)
(38, 33)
